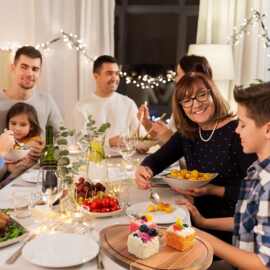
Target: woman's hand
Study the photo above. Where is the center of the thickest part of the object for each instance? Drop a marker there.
(205, 190)
(142, 177)
(196, 216)
(161, 131)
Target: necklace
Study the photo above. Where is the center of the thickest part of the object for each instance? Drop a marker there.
(211, 135)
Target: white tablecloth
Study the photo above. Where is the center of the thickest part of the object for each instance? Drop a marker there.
(135, 195)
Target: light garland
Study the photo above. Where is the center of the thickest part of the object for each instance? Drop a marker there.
(71, 40)
(255, 18)
(146, 81)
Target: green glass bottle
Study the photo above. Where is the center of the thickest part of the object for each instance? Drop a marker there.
(48, 155)
(48, 163)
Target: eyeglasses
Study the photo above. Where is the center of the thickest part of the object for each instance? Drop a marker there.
(201, 96)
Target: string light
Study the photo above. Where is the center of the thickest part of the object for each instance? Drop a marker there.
(256, 19)
(72, 41)
(147, 81)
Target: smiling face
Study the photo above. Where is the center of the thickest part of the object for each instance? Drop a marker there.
(20, 125)
(107, 79)
(203, 108)
(253, 137)
(26, 72)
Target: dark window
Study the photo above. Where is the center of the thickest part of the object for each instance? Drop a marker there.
(150, 37)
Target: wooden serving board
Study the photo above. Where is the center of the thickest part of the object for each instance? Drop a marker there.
(114, 244)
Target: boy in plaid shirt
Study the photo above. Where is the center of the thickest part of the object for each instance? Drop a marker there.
(251, 222)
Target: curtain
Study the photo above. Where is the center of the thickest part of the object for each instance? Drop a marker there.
(215, 25)
(97, 27)
(65, 73)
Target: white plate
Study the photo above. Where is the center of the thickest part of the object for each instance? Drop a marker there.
(30, 176)
(60, 250)
(160, 217)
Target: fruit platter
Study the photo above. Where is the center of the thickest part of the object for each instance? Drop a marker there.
(95, 199)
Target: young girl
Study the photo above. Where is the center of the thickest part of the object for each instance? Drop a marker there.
(22, 119)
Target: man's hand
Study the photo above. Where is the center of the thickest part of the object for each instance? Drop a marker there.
(116, 141)
(36, 148)
(7, 142)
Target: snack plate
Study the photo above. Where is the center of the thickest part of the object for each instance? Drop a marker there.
(10, 241)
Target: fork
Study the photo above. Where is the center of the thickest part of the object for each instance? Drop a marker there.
(12, 259)
(100, 264)
(99, 259)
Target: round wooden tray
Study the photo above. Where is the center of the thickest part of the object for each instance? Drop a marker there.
(114, 244)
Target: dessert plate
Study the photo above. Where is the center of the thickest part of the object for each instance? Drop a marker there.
(158, 216)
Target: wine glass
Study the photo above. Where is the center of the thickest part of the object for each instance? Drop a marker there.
(118, 181)
(127, 147)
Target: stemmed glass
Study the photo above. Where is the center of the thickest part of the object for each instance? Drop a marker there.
(127, 147)
(118, 181)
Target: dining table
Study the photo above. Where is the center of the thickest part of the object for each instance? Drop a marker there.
(135, 195)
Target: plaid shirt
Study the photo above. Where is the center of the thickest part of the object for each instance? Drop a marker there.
(252, 212)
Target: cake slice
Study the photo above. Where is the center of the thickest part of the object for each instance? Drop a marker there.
(136, 223)
(144, 242)
(180, 236)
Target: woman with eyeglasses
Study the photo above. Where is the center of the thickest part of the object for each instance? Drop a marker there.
(207, 140)
(159, 130)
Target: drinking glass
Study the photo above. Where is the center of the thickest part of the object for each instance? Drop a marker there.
(127, 147)
(118, 182)
(21, 204)
(49, 183)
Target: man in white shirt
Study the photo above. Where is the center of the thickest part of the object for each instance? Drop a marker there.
(25, 72)
(106, 105)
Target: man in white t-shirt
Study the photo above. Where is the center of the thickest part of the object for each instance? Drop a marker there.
(25, 72)
(106, 105)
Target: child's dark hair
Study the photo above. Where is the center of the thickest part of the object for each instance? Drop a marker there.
(30, 111)
(256, 99)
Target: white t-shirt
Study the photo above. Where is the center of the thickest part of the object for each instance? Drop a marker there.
(119, 110)
(47, 110)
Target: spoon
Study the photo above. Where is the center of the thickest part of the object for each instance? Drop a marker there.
(21, 145)
(154, 196)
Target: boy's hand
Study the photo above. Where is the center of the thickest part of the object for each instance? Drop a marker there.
(196, 216)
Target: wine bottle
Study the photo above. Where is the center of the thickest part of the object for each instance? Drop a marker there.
(48, 163)
(48, 155)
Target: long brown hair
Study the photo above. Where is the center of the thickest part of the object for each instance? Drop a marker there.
(185, 88)
(30, 111)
